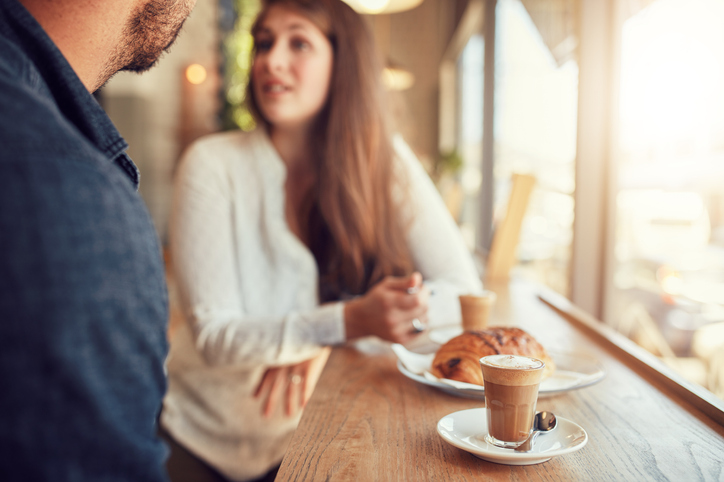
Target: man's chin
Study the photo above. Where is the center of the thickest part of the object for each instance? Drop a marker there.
(146, 62)
(140, 67)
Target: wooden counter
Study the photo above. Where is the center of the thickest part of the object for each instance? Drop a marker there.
(367, 421)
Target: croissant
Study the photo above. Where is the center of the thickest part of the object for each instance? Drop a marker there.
(458, 358)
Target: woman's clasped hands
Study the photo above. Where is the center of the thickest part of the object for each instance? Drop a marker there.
(295, 383)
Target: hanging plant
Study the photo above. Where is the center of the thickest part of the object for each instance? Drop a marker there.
(237, 46)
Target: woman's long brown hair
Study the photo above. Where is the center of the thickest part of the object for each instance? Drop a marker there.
(357, 225)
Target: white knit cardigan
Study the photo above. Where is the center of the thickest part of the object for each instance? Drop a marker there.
(248, 289)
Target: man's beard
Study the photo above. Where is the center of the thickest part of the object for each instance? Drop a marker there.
(151, 30)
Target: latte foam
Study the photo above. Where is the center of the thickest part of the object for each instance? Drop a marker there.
(513, 361)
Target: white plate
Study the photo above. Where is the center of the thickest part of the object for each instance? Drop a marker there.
(466, 430)
(573, 371)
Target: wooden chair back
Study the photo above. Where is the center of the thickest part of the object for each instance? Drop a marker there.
(503, 250)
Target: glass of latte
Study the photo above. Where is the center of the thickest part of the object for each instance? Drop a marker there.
(475, 310)
(511, 392)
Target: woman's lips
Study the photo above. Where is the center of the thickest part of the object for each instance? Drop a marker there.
(274, 88)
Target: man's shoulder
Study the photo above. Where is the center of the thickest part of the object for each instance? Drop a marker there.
(33, 129)
(29, 116)
(13, 62)
(44, 152)
(19, 76)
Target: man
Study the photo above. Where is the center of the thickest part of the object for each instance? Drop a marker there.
(83, 306)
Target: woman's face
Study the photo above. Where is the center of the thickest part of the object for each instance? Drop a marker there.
(292, 69)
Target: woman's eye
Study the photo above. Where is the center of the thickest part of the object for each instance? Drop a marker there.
(263, 45)
(299, 44)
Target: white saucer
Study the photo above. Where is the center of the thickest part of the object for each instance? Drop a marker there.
(467, 429)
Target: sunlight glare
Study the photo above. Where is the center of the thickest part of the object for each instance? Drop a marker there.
(671, 74)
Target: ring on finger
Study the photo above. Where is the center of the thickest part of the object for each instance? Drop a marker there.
(418, 326)
(295, 379)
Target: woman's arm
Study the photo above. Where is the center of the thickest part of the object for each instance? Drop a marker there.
(208, 274)
(436, 245)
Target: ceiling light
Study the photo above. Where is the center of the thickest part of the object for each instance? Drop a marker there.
(195, 74)
(382, 6)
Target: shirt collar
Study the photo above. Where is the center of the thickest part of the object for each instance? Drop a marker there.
(75, 102)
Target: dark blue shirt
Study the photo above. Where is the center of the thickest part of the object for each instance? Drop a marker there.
(83, 305)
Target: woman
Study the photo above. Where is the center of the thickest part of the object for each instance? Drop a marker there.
(313, 230)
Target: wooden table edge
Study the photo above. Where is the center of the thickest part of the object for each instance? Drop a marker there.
(711, 405)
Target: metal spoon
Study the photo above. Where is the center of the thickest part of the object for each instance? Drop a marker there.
(543, 422)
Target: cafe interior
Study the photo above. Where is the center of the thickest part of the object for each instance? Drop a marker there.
(579, 146)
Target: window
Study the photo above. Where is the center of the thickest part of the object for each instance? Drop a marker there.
(668, 279)
(535, 115)
(536, 94)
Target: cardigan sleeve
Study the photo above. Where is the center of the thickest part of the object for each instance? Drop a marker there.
(204, 259)
(436, 244)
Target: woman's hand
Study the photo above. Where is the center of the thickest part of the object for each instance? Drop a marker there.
(299, 381)
(388, 309)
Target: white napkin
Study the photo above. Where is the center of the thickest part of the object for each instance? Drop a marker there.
(415, 362)
(420, 364)
(453, 383)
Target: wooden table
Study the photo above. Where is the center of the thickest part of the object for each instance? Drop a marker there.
(366, 421)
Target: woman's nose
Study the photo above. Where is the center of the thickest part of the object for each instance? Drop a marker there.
(276, 57)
